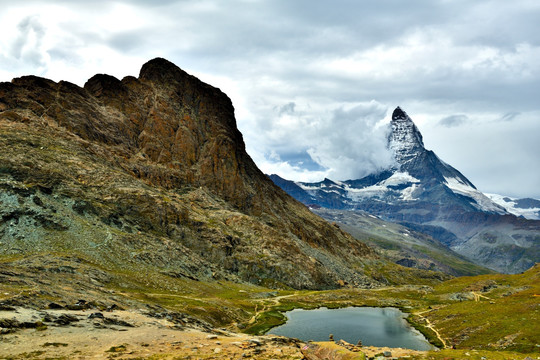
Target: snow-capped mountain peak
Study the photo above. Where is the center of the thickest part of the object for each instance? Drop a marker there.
(427, 194)
(405, 139)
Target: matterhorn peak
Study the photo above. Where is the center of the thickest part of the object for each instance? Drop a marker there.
(405, 139)
(399, 114)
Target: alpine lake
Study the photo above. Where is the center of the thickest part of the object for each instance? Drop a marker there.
(372, 326)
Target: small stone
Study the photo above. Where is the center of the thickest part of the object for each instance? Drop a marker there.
(217, 350)
(96, 315)
(256, 342)
(66, 319)
(55, 306)
(211, 337)
(387, 354)
(112, 308)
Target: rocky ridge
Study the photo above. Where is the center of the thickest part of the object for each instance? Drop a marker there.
(150, 174)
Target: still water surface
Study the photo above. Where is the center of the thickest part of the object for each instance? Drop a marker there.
(373, 326)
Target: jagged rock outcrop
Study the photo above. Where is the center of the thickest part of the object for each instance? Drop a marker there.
(150, 174)
(166, 118)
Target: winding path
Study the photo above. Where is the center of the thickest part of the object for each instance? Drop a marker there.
(265, 307)
(430, 325)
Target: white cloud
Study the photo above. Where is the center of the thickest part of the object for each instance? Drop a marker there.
(497, 156)
(302, 74)
(454, 120)
(354, 144)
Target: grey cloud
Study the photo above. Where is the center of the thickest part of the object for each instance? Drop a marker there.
(499, 24)
(510, 116)
(65, 54)
(497, 156)
(454, 120)
(92, 4)
(129, 41)
(287, 108)
(302, 160)
(351, 145)
(22, 48)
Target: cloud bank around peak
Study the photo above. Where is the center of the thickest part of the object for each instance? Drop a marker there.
(305, 144)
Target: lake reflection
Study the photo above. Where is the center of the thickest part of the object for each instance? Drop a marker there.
(373, 326)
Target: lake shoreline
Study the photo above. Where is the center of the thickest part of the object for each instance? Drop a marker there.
(388, 326)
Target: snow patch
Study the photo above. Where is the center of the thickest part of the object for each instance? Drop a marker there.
(308, 188)
(482, 201)
(331, 191)
(510, 206)
(406, 194)
(367, 192)
(398, 178)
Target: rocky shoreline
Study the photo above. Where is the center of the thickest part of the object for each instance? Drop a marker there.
(83, 334)
(136, 334)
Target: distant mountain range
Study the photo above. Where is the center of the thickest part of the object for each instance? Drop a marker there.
(428, 195)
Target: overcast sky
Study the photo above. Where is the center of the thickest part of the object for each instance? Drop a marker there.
(314, 82)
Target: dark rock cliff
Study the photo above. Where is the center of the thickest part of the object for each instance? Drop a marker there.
(165, 117)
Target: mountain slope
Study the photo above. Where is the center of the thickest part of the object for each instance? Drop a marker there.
(402, 245)
(150, 174)
(428, 195)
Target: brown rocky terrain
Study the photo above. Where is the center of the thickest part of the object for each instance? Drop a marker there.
(132, 335)
(79, 334)
(153, 170)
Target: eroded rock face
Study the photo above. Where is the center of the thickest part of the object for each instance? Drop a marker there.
(152, 171)
(165, 117)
